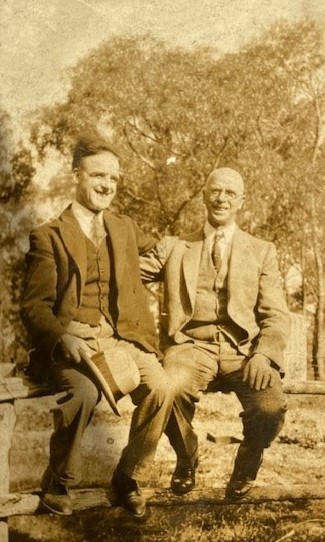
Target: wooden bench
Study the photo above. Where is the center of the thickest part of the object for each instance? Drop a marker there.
(15, 385)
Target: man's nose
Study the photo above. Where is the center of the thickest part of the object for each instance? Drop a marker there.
(222, 195)
(107, 182)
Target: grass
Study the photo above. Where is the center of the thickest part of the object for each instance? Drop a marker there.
(298, 522)
(296, 457)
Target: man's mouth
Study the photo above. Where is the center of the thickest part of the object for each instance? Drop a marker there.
(103, 191)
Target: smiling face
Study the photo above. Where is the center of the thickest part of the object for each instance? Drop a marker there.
(223, 196)
(97, 177)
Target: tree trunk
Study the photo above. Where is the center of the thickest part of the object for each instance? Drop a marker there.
(319, 345)
(319, 336)
(303, 275)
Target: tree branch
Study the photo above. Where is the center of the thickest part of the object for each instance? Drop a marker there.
(258, 132)
(132, 147)
(141, 132)
(139, 198)
(318, 129)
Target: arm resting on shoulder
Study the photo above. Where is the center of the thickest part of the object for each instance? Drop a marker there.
(152, 263)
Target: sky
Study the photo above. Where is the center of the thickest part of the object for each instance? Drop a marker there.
(39, 39)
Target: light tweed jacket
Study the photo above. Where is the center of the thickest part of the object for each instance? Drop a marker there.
(256, 300)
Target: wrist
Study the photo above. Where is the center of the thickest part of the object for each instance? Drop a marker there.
(264, 356)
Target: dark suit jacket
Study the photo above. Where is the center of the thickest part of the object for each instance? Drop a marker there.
(255, 297)
(55, 278)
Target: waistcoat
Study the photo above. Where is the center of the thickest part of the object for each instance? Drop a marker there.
(211, 294)
(95, 298)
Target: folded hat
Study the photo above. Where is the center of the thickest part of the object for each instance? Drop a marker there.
(116, 372)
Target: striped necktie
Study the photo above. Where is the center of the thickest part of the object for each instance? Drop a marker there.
(216, 252)
(97, 230)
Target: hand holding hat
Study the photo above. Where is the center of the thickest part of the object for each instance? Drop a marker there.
(116, 372)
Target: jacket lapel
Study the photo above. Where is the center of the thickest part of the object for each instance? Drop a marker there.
(239, 261)
(191, 265)
(118, 234)
(74, 240)
(191, 262)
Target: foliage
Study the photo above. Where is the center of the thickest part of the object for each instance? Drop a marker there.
(16, 171)
(175, 114)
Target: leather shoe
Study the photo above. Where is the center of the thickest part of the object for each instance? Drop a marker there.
(238, 488)
(247, 464)
(55, 496)
(129, 494)
(183, 479)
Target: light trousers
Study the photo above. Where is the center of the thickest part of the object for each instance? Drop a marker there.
(152, 399)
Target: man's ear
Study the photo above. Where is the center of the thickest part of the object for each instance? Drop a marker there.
(75, 176)
(242, 201)
(204, 195)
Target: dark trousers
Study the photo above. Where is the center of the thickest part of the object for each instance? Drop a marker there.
(195, 367)
(153, 403)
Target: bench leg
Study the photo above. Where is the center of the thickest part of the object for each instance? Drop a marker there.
(7, 425)
(4, 532)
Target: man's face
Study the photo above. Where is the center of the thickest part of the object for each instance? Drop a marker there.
(97, 178)
(223, 197)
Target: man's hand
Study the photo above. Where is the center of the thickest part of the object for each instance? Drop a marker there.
(259, 373)
(75, 348)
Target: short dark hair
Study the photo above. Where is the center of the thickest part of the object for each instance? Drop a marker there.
(88, 146)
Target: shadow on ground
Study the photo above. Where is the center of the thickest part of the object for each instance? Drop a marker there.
(296, 522)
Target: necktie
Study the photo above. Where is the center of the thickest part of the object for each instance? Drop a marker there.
(97, 230)
(216, 252)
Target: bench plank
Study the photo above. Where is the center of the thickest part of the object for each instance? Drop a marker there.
(309, 387)
(15, 504)
(22, 387)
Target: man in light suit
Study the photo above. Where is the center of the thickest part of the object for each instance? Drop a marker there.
(227, 324)
(84, 294)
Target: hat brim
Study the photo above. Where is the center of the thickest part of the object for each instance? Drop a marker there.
(103, 384)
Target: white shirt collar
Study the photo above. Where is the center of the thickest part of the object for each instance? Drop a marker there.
(227, 231)
(85, 217)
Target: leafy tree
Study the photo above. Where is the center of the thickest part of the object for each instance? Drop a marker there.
(16, 171)
(175, 114)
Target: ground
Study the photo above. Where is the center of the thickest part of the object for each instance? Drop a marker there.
(296, 457)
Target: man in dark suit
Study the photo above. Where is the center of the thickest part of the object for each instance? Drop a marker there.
(84, 294)
(227, 324)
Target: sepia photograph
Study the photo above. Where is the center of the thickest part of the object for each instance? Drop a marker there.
(162, 193)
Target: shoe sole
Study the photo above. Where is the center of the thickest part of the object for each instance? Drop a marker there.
(181, 491)
(118, 500)
(54, 511)
(234, 497)
(142, 517)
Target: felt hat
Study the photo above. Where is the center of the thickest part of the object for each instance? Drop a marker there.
(116, 372)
